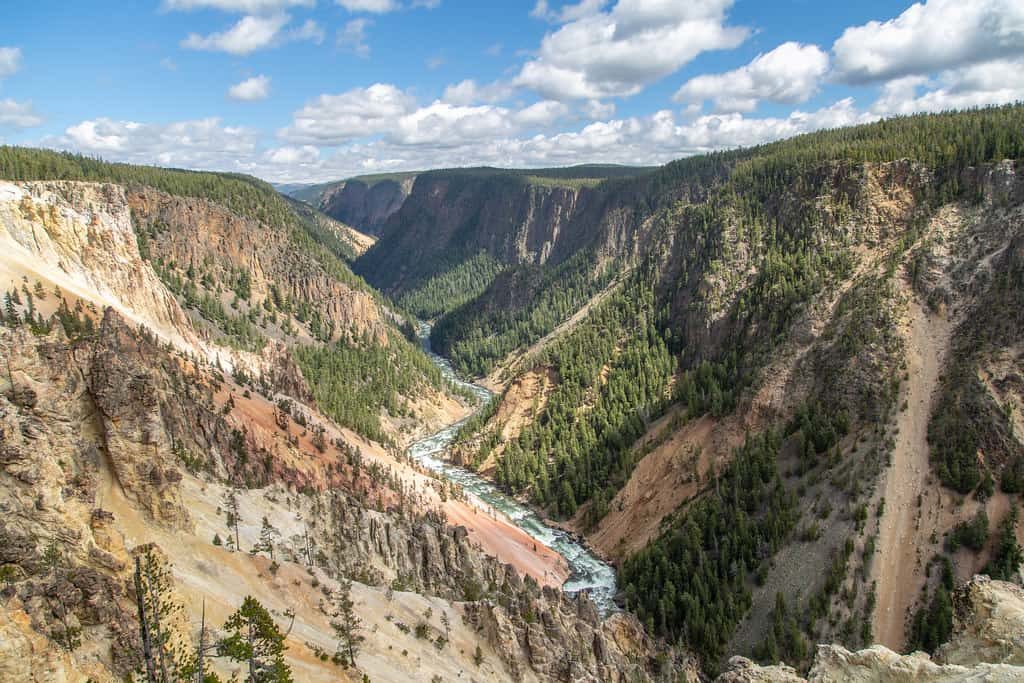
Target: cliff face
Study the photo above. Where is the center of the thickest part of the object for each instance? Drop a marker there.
(114, 443)
(861, 312)
(79, 237)
(450, 216)
(367, 207)
(200, 235)
(987, 644)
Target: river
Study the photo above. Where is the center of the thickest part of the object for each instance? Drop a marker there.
(587, 571)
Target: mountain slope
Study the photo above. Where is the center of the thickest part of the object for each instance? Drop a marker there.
(750, 374)
(251, 278)
(191, 371)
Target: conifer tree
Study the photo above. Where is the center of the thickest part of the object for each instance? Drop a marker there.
(346, 624)
(255, 639)
(231, 507)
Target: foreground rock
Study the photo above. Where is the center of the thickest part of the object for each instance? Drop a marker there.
(987, 645)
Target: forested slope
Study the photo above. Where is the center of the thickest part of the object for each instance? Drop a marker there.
(265, 284)
(756, 340)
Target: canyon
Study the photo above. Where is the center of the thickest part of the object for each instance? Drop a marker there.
(720, 412)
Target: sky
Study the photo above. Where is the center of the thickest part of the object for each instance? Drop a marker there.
(314, 90)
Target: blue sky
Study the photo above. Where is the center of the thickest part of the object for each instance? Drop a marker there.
(312, 90)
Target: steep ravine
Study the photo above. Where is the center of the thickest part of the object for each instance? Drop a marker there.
(588, 572)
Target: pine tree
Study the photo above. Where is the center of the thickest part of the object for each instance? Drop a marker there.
(156, 606)
(447, 623)
(346, 623)
(231, 507)
(268, 537)
(255, 639)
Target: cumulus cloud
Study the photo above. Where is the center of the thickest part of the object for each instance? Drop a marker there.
(996, 82)
(471, 92)
(255, 32)
(446, 125)
(595, 109)
(928, 37)
(291, 156)
(393, 114)
(251, 33)
(373, 6)
(310, 30)
(251, 89)
(201, 143)
(540, 114)
(14, 114)
(18, 114)
(618, 52)
(352, 36)
(334, 119)
(584, 8)
(398, 134)
(653, 139)
(790, 74)
(241, 6)
(10, 60)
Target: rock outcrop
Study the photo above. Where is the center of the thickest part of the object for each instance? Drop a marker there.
(557, 637)
(987, 645)
(78, 236)
(366, 205)
(203, 236)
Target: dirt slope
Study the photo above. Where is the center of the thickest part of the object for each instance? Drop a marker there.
(899, 569)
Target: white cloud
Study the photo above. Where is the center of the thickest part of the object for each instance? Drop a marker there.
(385, 111)
(251, 33)
(241, 6)
(617, 53)
(251, 89)
(18, 114)
(203, 143)
(653, 139)
(567, 13)
(290, 156)
(380, 128)
(310, 30)
(372, 6)
(471, 92)
(595, 109)
(14, 114)
(353, 36)
(540, 114)
(996, 82)
(446, 125)
(169, 64)
(10, 60)
(334, 119)
(790, 73)
(929, 37)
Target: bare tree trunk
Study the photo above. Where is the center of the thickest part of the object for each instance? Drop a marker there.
(147, 648)
(200, 674)
(252, 659)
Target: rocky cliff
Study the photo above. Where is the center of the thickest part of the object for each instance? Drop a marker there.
(200, 236)
(845, 304)
(79, 237)
(450, 216)
(366, 204)
(987, 645)
(113, 443)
